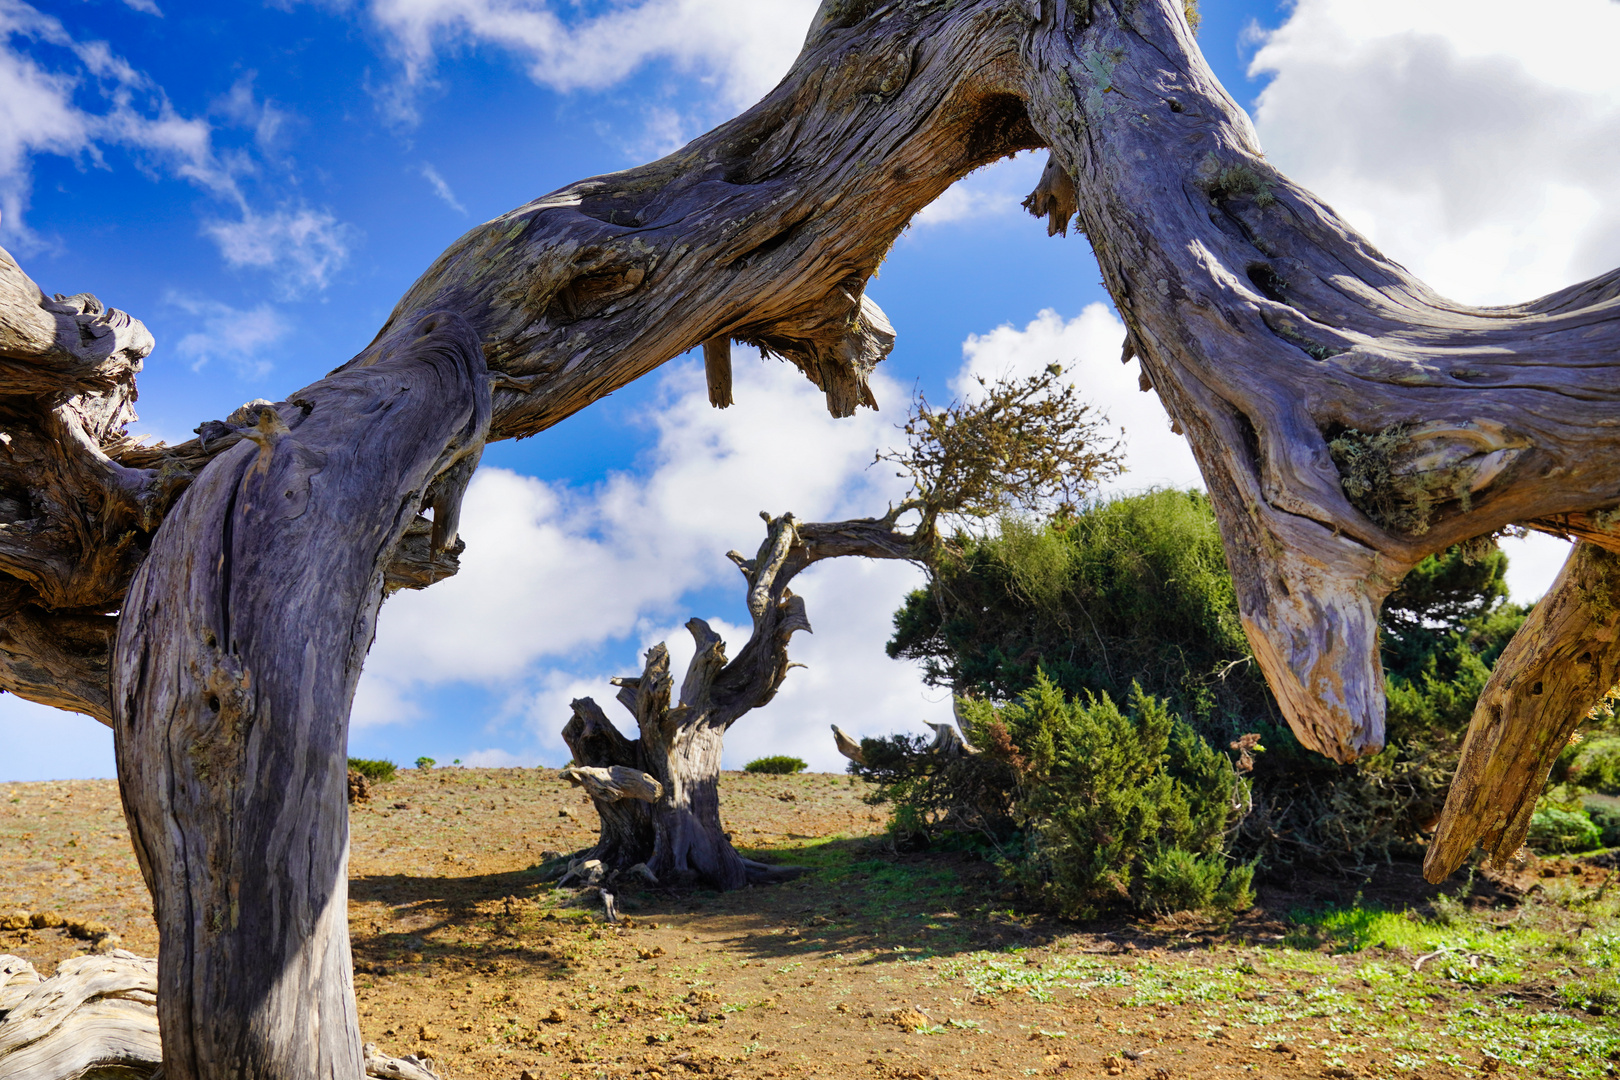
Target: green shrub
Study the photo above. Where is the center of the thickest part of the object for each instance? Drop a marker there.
(1117, 806)
(1136, 590)
(1554, 829)
(1086, 807)
(425, 763)
(776, 765)
(379, 770)
(1596, 765)
(1605, 816)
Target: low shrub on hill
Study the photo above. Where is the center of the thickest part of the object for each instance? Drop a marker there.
(374, 769)
(776, 765)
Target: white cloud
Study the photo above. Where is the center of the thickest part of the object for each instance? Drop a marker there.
(303, 247)
(236, 336)
(741, 48)
(995, 191)
(441, 188)
(145, 7)
(552, 574)
(1482, 150)
(1088, 347)
(1477, 145)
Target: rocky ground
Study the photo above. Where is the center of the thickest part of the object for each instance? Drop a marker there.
(875, 963)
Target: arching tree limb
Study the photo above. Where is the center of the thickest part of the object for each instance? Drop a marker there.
(239, 648)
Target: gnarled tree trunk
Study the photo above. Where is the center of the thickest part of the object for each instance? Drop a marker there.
(239, 647)
(1347, 421)
(671, 821)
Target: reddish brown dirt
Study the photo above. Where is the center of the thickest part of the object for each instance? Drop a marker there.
(463, 954)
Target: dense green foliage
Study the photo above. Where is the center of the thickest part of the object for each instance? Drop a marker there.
(1086, 805)
(1556, 829)
(1595, 765)
(373, 769)
(777, 765)
(425, 763)
(1135, 591)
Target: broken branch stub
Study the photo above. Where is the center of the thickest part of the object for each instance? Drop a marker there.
(615, 783)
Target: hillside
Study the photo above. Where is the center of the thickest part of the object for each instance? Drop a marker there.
(874, 964)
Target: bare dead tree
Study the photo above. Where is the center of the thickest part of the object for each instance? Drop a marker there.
(213, 600)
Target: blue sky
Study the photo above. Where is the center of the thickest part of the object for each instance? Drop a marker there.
(260, 182)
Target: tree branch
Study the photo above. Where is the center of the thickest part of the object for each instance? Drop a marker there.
(1559, 665)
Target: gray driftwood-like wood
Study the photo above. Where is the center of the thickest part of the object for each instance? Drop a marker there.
(1272, 332)
(1562, 661)
(240, 644)
(95, 1013)
(677, 835)
(97, 1016)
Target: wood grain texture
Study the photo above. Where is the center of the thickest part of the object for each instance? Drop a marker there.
(239, 648)
(95, 1013)
(97, 1017)
(1559, 665)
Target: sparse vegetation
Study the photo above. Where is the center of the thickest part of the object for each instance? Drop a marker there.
(919, 957)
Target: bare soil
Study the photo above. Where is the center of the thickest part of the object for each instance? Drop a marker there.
(874, 964)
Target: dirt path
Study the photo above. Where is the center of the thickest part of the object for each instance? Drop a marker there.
(873, 965)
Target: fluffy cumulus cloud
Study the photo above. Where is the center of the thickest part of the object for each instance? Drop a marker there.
(1478, 146)
(739, 47)
(1088, 347)
(1480, 149)
(553, 573)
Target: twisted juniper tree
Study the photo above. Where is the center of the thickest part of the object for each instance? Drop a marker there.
(1020, 443)
(213, 600)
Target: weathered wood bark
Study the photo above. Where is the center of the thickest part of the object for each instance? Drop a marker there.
(97, 1017)
(239, 647)
(678, 833)
(1557, 667)
(95, 1013)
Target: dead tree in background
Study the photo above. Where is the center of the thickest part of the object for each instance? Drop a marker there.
(1020, 443)
(1347, 421)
